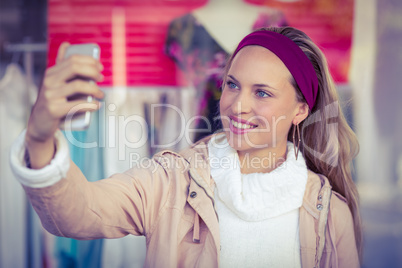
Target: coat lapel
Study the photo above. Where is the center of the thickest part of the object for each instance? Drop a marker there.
(313, 219)
(201, 189)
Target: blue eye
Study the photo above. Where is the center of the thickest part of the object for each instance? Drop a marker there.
(262, 94)
(231, 85)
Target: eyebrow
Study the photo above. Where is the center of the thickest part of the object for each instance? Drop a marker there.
(256, 85)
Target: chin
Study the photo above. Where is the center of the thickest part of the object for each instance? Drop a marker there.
(242, 142)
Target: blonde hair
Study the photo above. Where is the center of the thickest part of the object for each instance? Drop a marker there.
(328, 143)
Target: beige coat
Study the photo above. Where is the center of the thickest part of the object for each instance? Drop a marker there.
(170, 200)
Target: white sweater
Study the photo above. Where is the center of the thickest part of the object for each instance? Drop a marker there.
(259, 212)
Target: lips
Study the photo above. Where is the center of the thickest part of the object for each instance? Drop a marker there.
(240, 126)
(241, 123)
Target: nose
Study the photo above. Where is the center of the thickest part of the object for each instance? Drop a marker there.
(242, 104)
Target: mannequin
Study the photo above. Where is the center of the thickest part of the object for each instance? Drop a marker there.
(227, 21)
(200, 43)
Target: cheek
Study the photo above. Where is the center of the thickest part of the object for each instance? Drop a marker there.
(225, 101)
(266, 116)
(276, 119)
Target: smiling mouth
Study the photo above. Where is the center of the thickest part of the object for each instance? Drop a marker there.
(242, 125)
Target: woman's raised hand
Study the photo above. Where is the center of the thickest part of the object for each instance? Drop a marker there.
(53, 105)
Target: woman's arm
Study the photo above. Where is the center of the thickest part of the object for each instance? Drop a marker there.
(108, 208)
(68, 205)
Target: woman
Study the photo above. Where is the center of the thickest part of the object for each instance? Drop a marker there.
(267, 177)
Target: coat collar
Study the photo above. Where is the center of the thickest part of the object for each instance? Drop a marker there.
(317, 186)
(196, 158)
(316, 197)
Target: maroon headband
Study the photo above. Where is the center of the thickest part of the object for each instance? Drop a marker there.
(291, 55)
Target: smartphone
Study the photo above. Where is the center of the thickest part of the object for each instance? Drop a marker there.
(79, 120)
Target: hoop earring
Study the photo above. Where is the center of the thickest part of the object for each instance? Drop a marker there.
(296, 147)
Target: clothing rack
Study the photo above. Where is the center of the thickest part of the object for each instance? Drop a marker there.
(28, 49)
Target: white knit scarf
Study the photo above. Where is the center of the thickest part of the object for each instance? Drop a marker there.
(256, 196)
(259, 212)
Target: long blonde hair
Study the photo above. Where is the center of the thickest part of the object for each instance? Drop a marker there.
(328, 143)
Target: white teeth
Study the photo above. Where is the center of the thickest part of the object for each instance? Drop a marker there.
(240, 125)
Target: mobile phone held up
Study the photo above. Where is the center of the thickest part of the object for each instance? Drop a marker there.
(76, 120)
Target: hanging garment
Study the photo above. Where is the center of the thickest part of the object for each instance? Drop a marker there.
(87, 153)
(15, 106)
(127, 141)
(200, 56)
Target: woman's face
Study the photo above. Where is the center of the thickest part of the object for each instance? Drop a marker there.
(258, 103)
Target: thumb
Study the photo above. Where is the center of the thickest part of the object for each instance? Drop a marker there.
(62, 51)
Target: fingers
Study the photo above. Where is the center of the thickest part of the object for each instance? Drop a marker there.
(75, 65)
(60, 109)
(75, 87)
(84, 66)
(78, 106)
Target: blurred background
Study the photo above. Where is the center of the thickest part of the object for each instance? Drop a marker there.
(163, 61)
